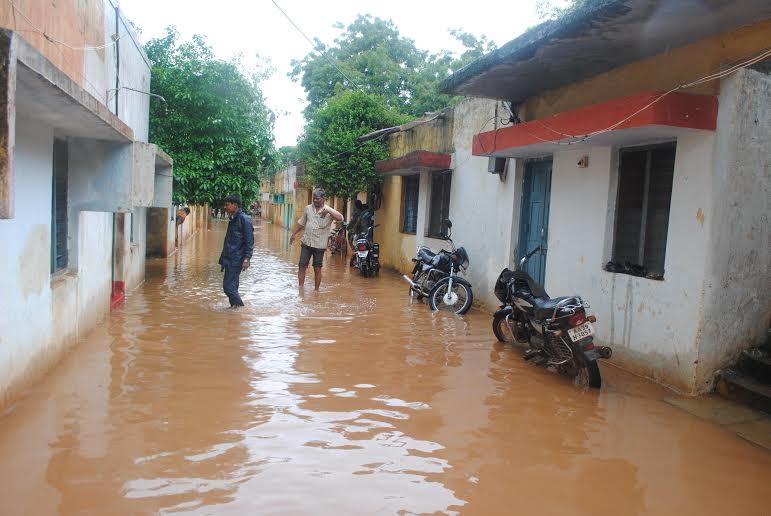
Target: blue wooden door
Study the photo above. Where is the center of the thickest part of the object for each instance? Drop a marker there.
(534, 219)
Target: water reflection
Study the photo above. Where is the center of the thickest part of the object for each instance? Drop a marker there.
(348, 401)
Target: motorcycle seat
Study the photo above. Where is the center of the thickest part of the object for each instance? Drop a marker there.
(426, 255)
(544, 306)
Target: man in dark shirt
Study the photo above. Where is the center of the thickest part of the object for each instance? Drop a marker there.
(237, 249)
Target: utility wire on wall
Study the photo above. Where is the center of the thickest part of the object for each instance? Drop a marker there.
(57, 44)
(576, 139)
(34, 28)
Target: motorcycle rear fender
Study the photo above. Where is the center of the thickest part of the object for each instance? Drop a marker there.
(455, 279)
(504, 311)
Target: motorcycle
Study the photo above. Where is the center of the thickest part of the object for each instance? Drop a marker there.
(435, 276)
(557, 331)
(366, 256)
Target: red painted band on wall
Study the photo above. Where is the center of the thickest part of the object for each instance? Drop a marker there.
(682, 110)
(419, 160)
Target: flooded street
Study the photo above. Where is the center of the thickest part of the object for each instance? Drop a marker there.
(347, 401)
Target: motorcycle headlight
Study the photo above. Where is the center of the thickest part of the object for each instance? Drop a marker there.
(463, 258)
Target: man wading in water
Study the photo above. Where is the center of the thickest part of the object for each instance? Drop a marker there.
(316, 221)
(237, 249)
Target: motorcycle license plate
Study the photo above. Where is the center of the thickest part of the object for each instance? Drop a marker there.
(362, 254)
(580, 332)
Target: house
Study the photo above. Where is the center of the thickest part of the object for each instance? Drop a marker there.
(630, 141)
(83, 195)
(286, 193)
(281, 189)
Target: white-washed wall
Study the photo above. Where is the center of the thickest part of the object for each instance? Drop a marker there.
(60, 307)
(25, 291)
(737, 309)
(482, 207)
(652, 325)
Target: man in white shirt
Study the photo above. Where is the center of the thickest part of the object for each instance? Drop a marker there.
(316, 224)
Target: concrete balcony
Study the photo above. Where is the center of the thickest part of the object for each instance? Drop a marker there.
(107, 170)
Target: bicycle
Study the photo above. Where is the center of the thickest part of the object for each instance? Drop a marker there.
(337, 242)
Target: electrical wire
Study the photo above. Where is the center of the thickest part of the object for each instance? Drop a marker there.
(484, 151)
(58, 46)
(315, 47)
(343, 74)
(149, 94)
(50, 38)
(575, 139)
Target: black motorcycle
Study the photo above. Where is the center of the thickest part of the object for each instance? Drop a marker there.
(557, 331)
(435, 276)
(366, 256)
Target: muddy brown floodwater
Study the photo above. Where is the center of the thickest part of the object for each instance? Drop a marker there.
(350, 401)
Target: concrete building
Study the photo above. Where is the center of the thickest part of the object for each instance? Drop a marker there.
(79, 182)
(650, 200)
(285, 195)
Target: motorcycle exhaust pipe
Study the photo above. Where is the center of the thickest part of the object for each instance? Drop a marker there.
(413, 286)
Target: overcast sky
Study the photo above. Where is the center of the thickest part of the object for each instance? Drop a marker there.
(256, 26)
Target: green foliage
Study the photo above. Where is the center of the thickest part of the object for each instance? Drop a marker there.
(215, 124)
(334, 158)
(379, 60)
(552, 9)
(288, 154)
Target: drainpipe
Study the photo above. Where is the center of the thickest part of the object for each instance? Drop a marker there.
(117, 57)
(112, 273)
(114, 294)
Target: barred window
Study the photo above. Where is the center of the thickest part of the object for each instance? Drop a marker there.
(440, 202)
(642, 213)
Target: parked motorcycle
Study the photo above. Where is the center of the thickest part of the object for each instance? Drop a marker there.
(366, 256)
(435, 276)
(557, 331)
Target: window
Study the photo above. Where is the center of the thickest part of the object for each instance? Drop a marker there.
(642, 214)
(440, 202)
(131, 227)
(411, 187)
(59, 207)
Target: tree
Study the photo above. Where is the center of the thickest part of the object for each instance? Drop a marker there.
(552, 9)
(214, 124)
(334, 158)
(288, 154)
(373, 56)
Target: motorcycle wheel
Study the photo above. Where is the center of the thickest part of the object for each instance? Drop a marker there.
(460, 307)
(501, 330)
(588, 375)
(364, 270)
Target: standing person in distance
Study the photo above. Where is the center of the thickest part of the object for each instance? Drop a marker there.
(316, 224)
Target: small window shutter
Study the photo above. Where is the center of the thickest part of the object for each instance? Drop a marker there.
(447, 180)
(411, 187)
(440, 201)
(659, 199)
(631, 186)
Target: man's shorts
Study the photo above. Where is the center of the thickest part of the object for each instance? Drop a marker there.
(305, 256)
